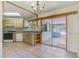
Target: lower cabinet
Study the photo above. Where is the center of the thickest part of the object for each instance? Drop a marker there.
(27, 37)
(32, 38)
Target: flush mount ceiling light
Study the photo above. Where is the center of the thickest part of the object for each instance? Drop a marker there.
(38, 7)
(11, 14)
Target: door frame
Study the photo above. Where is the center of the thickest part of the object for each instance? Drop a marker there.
(54, 16)
(66, 36)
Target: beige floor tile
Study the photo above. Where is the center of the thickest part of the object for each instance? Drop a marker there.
(23, 50)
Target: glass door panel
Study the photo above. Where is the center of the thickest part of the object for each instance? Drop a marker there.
(54, 31)
(59, 32)
(46, 34)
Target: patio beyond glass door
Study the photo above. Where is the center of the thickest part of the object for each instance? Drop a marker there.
(59, 32)
(54, 32)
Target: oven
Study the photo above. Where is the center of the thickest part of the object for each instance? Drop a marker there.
(8, 36)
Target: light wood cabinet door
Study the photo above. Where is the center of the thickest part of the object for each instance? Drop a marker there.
(19, 23)
(28, 37)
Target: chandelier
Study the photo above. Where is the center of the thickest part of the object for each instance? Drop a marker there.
(38, 7)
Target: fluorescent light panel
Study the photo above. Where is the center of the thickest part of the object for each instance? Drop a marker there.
(11, 14)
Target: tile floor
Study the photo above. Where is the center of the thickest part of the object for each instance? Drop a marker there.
(23, 50)
(60, 42)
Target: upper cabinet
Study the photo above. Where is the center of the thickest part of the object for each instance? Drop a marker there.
(8, 22)
(18, 23)
(13, 22)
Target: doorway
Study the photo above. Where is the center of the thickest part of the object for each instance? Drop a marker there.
(54, 32)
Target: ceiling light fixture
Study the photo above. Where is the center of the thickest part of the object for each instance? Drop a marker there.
(38, 7)
(11, 14)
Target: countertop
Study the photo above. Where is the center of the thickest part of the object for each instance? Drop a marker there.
(21, 30)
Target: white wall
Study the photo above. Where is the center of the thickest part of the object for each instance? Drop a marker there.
(61, 10)
(72, 32)
(78, 34)
(1, 29)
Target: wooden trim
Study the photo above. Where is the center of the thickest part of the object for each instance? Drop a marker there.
(40, 24)
(58, 15)
(21, 7)
(14, 36)
(23, 23)
(36, 21)
(40, 37)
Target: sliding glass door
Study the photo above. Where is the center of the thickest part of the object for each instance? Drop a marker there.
(54, 31)
(46, 34)
(59, 32)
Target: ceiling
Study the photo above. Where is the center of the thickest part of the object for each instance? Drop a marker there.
(49, 6)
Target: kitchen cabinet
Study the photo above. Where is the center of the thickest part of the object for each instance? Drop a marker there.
(18, 23)
(32, 38)
(27, 37)
(8, 22)
(13, 22)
